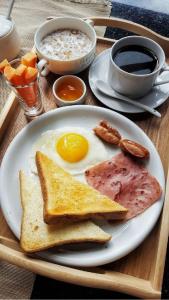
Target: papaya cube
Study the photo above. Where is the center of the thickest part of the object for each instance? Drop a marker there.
(30, 74)
(20, 74)
(9, 73)
(20, 70)
(29, 59)
(3, 64)
(14, 76)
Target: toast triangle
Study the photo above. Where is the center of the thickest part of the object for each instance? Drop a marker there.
(36, 235)
(65, 198)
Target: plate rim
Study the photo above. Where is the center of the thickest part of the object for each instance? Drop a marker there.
(63, 260)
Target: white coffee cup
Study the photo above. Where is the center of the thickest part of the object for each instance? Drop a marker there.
(9, 39)
(63, 67)
(134, 85)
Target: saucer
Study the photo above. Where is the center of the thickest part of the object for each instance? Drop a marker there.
(99, 71)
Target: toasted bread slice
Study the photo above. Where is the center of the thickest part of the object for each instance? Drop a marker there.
(65, 198)
(36, 235)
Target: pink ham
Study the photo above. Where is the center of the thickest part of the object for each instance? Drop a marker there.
(126, 181)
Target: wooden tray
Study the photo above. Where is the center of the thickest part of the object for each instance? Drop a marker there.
(141, 272)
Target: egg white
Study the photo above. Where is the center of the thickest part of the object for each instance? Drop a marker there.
(47, 145)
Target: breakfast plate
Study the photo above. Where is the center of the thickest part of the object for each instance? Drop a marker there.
(126, 236)
(155, 98)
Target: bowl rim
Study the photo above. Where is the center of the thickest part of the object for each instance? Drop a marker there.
(48, 58)
(65, 101)
(10, 31)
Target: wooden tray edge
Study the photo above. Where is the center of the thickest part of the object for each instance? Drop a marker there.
(133, 27)
(159, 263)
(117, 281)
(7, 112)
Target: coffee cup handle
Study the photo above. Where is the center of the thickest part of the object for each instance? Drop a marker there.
(164, 69)
(42, 67)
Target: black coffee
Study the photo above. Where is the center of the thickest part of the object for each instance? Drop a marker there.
(136, 59)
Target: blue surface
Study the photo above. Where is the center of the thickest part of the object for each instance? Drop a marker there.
(158, 22)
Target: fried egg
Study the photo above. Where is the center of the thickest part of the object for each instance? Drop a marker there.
(74, 149)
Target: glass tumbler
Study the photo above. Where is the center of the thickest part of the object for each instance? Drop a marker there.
(28, 95)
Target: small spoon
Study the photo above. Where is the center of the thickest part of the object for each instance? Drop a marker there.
(105, 89)
(8, 15)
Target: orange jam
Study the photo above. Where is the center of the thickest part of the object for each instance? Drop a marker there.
(70, 89)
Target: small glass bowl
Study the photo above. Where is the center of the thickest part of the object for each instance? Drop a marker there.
(77, 81)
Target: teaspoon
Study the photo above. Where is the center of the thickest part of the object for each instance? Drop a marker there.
(105, 89)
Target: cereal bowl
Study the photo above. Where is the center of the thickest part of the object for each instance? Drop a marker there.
(61, 66)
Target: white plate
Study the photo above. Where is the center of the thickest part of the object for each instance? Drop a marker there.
(125, 237)
(99, 71)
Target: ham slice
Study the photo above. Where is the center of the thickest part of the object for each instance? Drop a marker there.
(126, 181)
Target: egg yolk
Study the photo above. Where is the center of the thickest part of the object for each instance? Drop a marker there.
(72, 147)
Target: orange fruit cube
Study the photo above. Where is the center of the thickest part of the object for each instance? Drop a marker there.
(30, 74)
(20, 70)
(15, 76)
(3, 64)
(9, 73)
(20, 74)
(29, 59)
